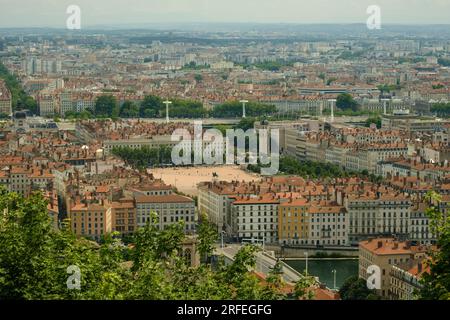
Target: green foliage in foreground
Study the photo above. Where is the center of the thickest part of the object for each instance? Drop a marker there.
(436, 284)
(356, 289)
(34, 259)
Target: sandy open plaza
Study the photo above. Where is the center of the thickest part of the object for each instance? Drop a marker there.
(187, 179)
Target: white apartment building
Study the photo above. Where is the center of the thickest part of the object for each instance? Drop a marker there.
(328, 225)
(170, 209)
(368, 158)
(256, 218)
(216, 204)
(420, 229)
(374, 214)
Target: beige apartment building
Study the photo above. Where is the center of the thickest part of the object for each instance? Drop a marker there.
(384, 253)
(123, 216)
(153, 189)
(90, 219)
(405, 280)
(215, 199)
(48, 105)
(336, 153)
(412, 123)
(23, 180)
(293, 222)
(368, 157)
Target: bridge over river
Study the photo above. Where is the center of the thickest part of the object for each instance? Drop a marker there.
(264, 263)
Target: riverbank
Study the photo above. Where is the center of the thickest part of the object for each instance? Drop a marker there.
(298, 253)
(321, 259)
(324, 269)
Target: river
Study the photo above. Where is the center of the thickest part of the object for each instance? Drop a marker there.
(323, 268)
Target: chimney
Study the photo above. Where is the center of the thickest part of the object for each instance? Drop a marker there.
(419, 268)
(380, 244)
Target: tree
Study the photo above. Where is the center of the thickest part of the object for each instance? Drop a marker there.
(106, 106)
(34, 258)
(303, 287)
(186, 109)
(355, 288)
(441, 109)
(345, 101)
(444, 62)
(436, 283)
(275, 283)
(246, 124)
(207, 236)
(129, 110)
(144, 157)
(330, 81)
(198, 78)
(20, 100)
(233, 109)
(374, 120)
(27, 103)
(151, 107)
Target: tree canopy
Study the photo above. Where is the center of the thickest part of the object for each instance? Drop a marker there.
(355, 288)
(441, 109)
(19, 99)
(233, 109)
(35, 260)
(144, 157)
(345, 101)
(436, 283)
(106, 106)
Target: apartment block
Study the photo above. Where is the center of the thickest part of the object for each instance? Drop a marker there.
(5, 99)
(215, 199)
(405, 280)
(373, 214)
(92, 220)
(383, 253)
(420, 227)
(123, 216)
(48, 105)
(256, 218)
(328, 225)
(293, 222)
(170, 209)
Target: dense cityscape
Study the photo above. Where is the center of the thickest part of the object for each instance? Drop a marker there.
(357, 209)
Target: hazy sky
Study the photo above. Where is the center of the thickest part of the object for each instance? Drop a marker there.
(52, 13)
